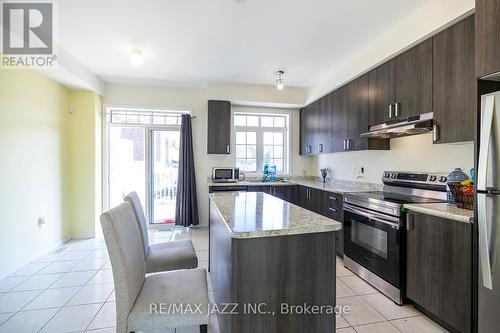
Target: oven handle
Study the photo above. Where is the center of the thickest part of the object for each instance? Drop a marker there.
(371, 215)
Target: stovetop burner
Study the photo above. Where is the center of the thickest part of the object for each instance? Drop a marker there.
(398, 198)
(401, 188)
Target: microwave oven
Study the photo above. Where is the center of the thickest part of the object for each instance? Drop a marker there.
(225, 175)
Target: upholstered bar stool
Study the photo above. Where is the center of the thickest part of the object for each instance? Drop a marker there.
(166, 256)
(147, 303)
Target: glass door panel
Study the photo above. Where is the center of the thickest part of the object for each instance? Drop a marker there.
(164, 165)
(127, 163)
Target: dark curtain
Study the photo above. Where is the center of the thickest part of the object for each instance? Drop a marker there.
(186, 206)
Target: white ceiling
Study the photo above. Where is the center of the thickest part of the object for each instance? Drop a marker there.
(190, 42)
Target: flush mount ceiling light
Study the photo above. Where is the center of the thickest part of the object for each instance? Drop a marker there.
(279, 82)
(136, 58)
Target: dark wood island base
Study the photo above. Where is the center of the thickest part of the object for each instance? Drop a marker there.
(283, 283)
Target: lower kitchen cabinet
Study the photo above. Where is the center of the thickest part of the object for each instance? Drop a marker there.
(334, 211)
(285, 192)
(311, 199)
(439, 269)
(327, 204)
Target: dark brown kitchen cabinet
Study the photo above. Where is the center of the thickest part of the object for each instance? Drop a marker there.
(439, 269)
(324, 131)
(402, 87)
(339, 119)
(311, 199)
(487, 33)
(259, 188)
(333, 210)
(356, 104)
(381, 93)
(454, 84)
(308, 117)
(219, 127)
(413, 81)
(286, 192)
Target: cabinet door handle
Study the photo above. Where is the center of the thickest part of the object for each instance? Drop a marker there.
(410, 226)
(435, 132)
(391, 111)
(320, 147)
(228, 149)
(333, 198)
(348, 144)
(345, 144)
(397, 109)
(332, 210)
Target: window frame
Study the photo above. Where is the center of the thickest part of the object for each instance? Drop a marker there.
(260, 138)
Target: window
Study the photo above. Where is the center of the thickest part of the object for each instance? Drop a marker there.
(142, 155)
(260, 139)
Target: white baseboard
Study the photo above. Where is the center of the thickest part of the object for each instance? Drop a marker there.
(35, 257)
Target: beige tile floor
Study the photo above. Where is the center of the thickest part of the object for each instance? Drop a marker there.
(71, 290)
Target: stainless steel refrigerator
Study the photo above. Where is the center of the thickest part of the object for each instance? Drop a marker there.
(488, 215)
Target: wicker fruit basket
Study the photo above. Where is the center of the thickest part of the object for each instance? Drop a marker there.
(463, 198)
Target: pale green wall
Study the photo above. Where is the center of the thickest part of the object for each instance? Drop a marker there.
(50, 166)
(33, 167)
(84, 129)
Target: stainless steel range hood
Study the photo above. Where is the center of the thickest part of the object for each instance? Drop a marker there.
(400, 127)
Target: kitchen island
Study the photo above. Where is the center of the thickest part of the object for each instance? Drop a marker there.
(272, 264)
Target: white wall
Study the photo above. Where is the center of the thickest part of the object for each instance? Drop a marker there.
(412, 153)
(195, 100)
(433, 16)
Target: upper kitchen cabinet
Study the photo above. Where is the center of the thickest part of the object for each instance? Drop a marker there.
(339, 119)
(413, 81)
(356, 106)
(219, 127)
(307, 127)
(356, 103)
(402, 86)
(324, 131)
(315, 134)
(381, 93)
(487, 37)
(454, 84)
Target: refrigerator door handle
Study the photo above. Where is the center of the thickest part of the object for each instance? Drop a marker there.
(484, 150)
(484, 246)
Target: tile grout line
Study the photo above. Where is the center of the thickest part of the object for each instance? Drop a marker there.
(60, 308)
(42, 290)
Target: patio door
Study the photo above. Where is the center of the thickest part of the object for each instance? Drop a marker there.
(143, 156)
(164, 163)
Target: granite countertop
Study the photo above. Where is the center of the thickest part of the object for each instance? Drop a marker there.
(444, 210)
(335, 186)
(338, 186)
(257, 214)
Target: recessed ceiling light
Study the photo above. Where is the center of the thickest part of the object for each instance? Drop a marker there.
(136, 58)
(280, 82)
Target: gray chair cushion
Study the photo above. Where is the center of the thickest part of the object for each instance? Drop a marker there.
(124, 243)
(176, 287)
(134, 200)
(171, 256)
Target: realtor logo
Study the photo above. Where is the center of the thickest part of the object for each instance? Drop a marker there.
(27, 34)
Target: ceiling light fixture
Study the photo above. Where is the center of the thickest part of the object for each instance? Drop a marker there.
(279, 82)
(136, 58)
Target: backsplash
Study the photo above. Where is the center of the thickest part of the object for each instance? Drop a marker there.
(412, 153)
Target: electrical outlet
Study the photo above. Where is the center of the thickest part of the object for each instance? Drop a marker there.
(41, 221)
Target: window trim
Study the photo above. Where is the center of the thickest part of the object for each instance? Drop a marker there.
(260, 138)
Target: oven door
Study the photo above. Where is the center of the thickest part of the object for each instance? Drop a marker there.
(373, 240)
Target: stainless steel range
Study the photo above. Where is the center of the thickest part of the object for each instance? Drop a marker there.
(375, 228)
